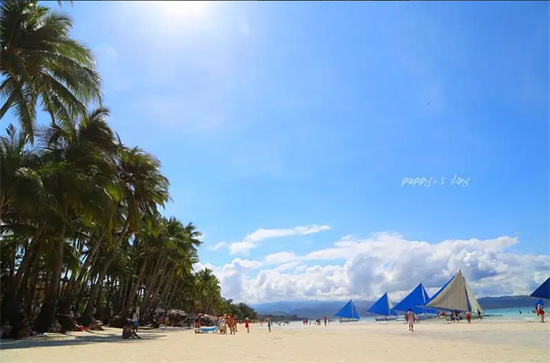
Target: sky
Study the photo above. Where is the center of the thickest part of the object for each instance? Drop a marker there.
(293, 135)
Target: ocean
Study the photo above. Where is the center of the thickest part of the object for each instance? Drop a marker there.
(513, 314)
(496, 315)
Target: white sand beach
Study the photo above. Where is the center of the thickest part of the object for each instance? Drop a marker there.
(432, 341)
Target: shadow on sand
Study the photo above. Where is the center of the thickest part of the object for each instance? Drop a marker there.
(61, 340)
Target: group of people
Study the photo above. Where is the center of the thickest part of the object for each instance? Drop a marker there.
(130, 329)
(317, 322)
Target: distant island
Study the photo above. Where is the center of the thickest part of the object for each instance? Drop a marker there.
(279, 317)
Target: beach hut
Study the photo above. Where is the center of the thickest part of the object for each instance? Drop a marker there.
(455, 295)
(416, 301)
(383, 308)
(543, 291)
(348, 312)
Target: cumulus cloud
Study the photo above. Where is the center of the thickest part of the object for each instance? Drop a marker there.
(281, 257)
(366, 268)
(252, 240)
(232, 276)
(217, 246)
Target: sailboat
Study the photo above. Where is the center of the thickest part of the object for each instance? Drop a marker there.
(455, 295)
(415, 301)
(543, 291)
(348, 313)
(383, 308)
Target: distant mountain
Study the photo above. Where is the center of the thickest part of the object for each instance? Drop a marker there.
(309, 309)
(315, 309)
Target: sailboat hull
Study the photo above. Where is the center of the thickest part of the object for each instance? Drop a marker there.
(385, 318)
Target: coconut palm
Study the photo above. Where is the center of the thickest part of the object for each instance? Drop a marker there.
(80, 215)
(40, 62)
(207, 290)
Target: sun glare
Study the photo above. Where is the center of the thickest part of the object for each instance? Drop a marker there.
(183, 9)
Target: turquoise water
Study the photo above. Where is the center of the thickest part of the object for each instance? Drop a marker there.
(508, 314)
(512, 313)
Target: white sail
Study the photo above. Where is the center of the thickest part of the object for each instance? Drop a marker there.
(472, 299)
(457, 295)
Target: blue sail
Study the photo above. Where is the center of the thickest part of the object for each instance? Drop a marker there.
(543, 291)
(415, 301)
(382, 307)
(348, 311)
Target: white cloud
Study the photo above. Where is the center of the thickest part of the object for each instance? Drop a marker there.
(366, 268)
(217, 246)
(281, 257)
(232, 276)
(253, 239)
(240, 247)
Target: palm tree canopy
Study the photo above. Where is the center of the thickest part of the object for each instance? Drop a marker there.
(39, 61)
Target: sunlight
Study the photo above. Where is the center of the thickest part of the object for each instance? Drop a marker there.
(183, 9)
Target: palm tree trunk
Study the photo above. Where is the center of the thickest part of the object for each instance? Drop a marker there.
(31, 292)
(169, 302)
(134, 288)
(13, 296)
(156, 298)
(47, 314)
(95, 287)
(87, 263)
(28, 259)
(161, 263)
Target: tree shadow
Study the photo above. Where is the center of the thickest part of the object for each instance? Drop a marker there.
(88, 338)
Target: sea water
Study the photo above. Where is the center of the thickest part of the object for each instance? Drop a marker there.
(496, 315)
(512, 314)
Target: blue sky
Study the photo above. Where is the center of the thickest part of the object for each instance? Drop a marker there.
(281, 115)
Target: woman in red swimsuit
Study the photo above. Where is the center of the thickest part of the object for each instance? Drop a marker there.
(246, 325)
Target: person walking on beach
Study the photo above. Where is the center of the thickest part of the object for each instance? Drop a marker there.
(478, 314)
(469, 317)
(410, 317)
(246, 325)
(269, 324)
(325, 321)
(135, 317)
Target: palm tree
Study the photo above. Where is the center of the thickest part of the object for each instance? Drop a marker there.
(39, 61)
(207, 290)
(83, 148)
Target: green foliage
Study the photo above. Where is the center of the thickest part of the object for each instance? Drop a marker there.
(80, 212)
(39, 62)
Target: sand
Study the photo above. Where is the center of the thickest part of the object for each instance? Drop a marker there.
(432, 341)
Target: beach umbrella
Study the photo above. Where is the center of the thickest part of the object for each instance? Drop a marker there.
(540, 302)
(543, 291)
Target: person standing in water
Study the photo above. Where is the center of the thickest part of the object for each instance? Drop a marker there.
(410, 317)
(540, 311)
